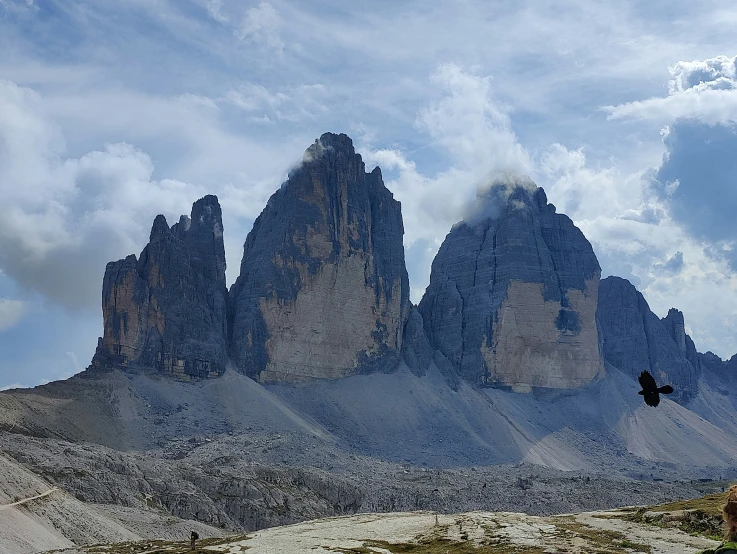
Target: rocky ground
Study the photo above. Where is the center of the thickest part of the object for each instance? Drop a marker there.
(143, 455)
(238, 484)
(432, 533)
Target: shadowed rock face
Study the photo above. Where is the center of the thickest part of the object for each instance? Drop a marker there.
(513, 293)
(166, 311)
(323, 290)
(635, 339)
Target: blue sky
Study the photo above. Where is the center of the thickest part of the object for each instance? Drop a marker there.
(114, 111)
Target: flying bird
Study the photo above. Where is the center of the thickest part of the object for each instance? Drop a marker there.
(650, 389)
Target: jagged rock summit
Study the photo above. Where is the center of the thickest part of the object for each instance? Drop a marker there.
(166, 311)
(513, 294)
(514, 298)
(635, 339)
(323, 290)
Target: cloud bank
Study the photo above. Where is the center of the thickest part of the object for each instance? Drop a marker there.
(473, 130)
(703, 90)
(66, 217)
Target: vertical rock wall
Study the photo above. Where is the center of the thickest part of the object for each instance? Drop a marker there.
(323, 290)
(635, 339)
(513, 293)
(166, 311)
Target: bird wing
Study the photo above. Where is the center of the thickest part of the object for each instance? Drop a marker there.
(647, 381)
(666, 389)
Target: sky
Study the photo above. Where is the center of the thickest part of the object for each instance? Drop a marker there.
(111, 112)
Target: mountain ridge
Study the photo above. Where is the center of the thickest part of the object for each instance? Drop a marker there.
(402, 422)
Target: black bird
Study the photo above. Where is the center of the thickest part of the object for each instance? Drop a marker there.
(650, 389)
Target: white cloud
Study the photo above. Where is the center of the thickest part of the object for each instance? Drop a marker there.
(470, 125)
(11, 386)
(215, 11)
(705, 90)
(10, 312)
(66, 217)
(474, 131)
(261, 27)
(69, 215)
(697, 76)
(635, 237)
(289, 104)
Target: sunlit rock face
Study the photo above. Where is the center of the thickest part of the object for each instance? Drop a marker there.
(323, 290)
(166, 311)
(513, 294)
(635, 339)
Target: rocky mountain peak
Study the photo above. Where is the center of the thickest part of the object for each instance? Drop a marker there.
(513, 293)
(676, 326)
(635, 339)
(203, 233)
(160, 228)
(166, 310)
(323, 290)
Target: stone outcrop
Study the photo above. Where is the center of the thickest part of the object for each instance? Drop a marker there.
(513, 294)
(166, 311)
(702, 362)
(635, 339)
(323, 290)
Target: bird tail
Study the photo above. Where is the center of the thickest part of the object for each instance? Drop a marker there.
(667, 389)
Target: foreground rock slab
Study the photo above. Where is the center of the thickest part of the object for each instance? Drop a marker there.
(429, 532)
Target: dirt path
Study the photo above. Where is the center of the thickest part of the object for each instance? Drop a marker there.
(48, 492)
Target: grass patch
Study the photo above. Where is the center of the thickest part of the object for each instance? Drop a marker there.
(601, 541)
(697, 516)
(710, 504)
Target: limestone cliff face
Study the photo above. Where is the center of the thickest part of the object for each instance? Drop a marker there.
(635, 339)
(323, 290)
(513, 294)
(166, 311)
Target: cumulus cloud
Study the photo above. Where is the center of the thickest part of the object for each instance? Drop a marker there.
(704, 90)
(697, 180)
(493, 197)
(636, 235)
(65, 217)
(261, 27)
(473, 130)
(10, 312)
(697, 76)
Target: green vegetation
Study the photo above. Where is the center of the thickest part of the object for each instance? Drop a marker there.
(601, 541)
(698, 516)
(710, 504)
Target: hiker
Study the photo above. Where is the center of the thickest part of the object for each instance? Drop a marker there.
(729, 514)
(192, 538)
